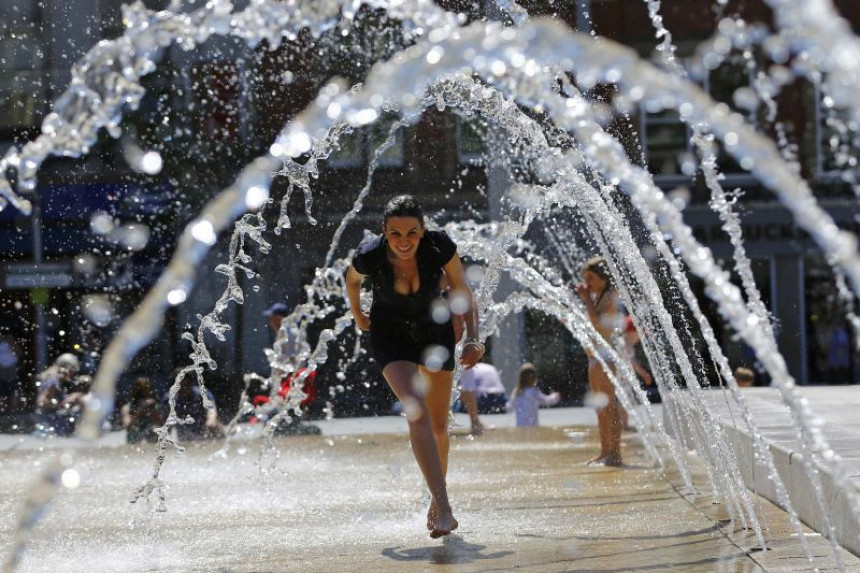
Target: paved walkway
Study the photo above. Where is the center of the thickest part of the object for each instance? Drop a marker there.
(352, 501)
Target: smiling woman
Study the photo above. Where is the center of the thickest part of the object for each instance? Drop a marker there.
(411, 268)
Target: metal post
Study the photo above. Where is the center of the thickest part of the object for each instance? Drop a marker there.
(38, 257)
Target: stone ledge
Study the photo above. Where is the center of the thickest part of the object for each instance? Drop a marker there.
(837, 407)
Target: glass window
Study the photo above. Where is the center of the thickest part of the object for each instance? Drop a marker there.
(736, 349)
(837, 137)
(23, 99)
(723, 83)
(471, 138)
(22, 82)
(666, 141)
(217, 89)
(379, 133)
(351, 152)
(831, 358)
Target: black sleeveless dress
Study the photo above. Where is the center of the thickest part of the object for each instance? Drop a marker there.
(402, 326)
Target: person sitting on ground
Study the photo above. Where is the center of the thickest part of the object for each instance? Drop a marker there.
(142, 413)
(481, 392)
(189, 402)
(53, 402)
(527, 398)
(744, 377)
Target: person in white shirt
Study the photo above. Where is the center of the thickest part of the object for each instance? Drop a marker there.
(527, 398)
(481, 392)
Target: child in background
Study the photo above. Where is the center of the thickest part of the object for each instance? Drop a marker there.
(527, 398)
(744, 377)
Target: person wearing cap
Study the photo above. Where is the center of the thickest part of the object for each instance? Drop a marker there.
(275, 315)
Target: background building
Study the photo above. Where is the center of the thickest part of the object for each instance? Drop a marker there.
(104, 227)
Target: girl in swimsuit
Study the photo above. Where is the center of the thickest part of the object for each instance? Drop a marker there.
(412, 336)
(601, 302)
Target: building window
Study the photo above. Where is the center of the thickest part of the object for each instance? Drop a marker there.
(217, 89)
(350, 154)
(727, 84)
(471, 139)
(378, 134)
(22, 77)
(836, 139)
(357, 148)
(666, 140)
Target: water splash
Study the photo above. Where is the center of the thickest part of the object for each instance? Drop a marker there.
(515, 61)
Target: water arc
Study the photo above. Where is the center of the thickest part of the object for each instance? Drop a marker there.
(539, 41)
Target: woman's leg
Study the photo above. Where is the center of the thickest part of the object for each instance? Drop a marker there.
(608, 420)
(439, 388)
(413, 390)
(439, 405)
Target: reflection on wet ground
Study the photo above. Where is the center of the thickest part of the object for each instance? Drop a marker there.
(525, 500)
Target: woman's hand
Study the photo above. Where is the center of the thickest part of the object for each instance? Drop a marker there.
(581, 289)
(472, 353)
(362, 320)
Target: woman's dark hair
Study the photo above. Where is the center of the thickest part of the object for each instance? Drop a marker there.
(403, 206)
(598, 266)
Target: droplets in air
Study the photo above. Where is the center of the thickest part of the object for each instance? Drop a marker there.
(98, 309)
(204, 232)
(133, 236)
(596, 400)
(101, 223)
(434, 357)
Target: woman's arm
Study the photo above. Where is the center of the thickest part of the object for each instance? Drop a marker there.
(603, 320)
(473, 350)
(353, 293)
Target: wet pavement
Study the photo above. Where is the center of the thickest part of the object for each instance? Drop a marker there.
(352, 501)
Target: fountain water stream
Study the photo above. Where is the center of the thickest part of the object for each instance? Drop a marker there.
(494, 72)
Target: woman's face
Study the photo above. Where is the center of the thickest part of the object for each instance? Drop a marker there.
(594, 282)
(403, 235)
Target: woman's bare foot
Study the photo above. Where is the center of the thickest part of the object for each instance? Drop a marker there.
(610, 460)
(443, 525)
(432, 515)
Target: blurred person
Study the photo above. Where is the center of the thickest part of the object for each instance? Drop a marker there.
(142, 413)
(189, 402)
(413, 346)
(9, 358)
(526, 399)
(54, 403)
(600, 298)
(283, 379)
(745, 377)
(481, 392)
(839, 355)
(639, 363)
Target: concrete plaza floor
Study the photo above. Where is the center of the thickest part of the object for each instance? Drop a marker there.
(350, 500)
